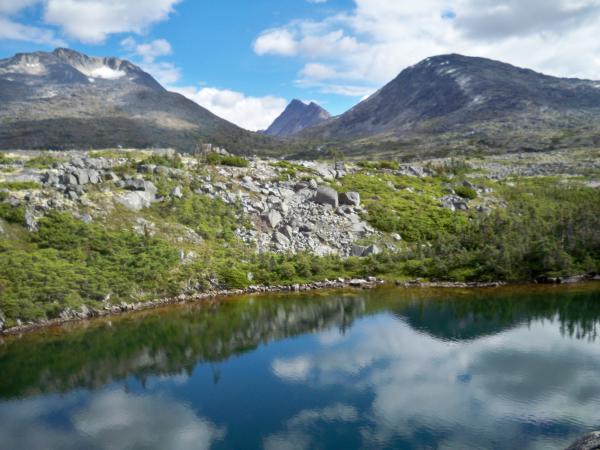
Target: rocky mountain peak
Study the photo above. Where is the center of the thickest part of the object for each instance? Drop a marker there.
(468, 96)
(66, 99)
(296, 117)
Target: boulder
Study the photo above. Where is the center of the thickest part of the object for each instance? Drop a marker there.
(372, 250)
(146, 168)
(273, 218)
(176, 192)
(301, 185)
(280, 239)
(93, 176)
(350, 198)
(83, 176)
(326, 196)
(51, 178)
(307, 227)
(137, 200)
(589, 442)
(358, 250)
(31, 222)
(137, 184)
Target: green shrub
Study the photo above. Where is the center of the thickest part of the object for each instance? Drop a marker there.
(68, 262)
(174, 161)
(13, 214)
(226, 160)
(405, 205)
(393, 165)
(466, 192)
(43, 162)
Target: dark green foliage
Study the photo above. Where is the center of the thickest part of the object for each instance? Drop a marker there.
(226, 160)
(13, 214)
(68, 262)
(466, 192)
(546, 229)
(385, 164)
(164, 160)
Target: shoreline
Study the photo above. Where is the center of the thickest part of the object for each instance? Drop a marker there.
(86, 314)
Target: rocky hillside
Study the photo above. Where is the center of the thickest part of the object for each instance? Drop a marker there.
(459, 102)
(296, 117)
(85, 231)
(65, 100)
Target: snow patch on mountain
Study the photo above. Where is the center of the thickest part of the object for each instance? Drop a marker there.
(103, 72)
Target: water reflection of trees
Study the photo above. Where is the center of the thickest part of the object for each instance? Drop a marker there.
(175, 341)
(162, 343)
(470, 315)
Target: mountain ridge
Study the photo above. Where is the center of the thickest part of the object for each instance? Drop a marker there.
(453, 100)
(65, 99)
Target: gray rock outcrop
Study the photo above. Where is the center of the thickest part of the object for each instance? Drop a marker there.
(349, 198)
(327, 196)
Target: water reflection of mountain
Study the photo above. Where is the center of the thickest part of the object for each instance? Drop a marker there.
(177, 339)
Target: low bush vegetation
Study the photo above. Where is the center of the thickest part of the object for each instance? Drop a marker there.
(466, 192)
(20, 185)
(226, 160)
(68, 263)
(406, 205)
(43, 162)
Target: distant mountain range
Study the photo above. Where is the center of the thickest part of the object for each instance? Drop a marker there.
(443, 105)
(64, 99)
(453, 102)
(296, 117)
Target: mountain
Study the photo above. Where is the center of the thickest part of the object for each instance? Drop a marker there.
(65, 99)
(454, 102)
(296, 117)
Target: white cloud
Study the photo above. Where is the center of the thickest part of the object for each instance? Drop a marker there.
(165, 72)
(111, 419)
(277, 42)
(252, 113)
(318, 71)
(91, 21)
(10, 30)
(148, 51)
(298, 437)
(14, 6)
(372, 43)
(482, 389)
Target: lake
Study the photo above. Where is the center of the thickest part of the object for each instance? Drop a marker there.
(387, 368)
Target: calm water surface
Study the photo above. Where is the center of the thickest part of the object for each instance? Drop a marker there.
(424, 369)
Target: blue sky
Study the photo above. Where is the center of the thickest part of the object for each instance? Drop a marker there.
(245, 59)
